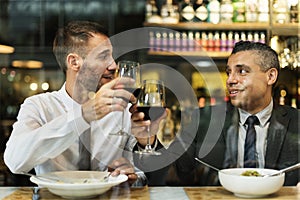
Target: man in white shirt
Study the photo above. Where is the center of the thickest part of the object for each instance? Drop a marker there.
(49, 127)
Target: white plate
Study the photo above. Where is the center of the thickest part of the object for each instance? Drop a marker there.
(85, 184)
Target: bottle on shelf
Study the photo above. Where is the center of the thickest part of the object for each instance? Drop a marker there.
(263, 11)
(198, 41)
(294, 11)
(213, 11)
(217, 41)
(251, 10)
(226, 10)
(250, 36)
(187, 12)
(238, 10)
(169, 13)
(164, 41)
(243, 36)
(171, 42)
(191, 42)
(151, 40)
(230, 41)
(152, 15)
(236, 37)
(210, 41)
(204, 41)
(184, 41)
(201, 13)
(262, 37)
(280, 12)
(177, 41)
(256, 36)
(157, 41)
(223, 45)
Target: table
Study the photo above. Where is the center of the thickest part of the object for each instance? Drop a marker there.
(151, 193)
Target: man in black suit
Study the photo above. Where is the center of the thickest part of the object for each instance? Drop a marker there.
(252, 70)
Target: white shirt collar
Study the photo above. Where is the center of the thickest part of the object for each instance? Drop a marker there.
(263, 116)
(68, 102)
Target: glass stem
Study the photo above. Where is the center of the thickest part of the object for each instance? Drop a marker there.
(148, 146)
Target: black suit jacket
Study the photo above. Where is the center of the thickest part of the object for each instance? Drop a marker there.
(215, 142)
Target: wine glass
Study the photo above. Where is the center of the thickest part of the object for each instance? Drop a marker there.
(131, 69)
(152, 102)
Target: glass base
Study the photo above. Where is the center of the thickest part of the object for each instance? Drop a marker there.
(148, 152)
(120, 133)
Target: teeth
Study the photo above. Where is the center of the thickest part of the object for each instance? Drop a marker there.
(233, 92)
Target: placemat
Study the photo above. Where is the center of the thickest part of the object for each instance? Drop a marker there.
(119, 193)
(208, 193)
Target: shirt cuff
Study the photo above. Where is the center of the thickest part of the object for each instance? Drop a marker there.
(141, 180)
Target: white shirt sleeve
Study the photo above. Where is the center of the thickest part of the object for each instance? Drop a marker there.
(44, 129)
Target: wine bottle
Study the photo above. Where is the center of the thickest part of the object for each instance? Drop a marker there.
(263, 11)
(226, 10)
(201, 13)
(187, 12)
(251, 10)
(214, 11)
(280, 11)
(238, 10)
(169, 13)
(152, 15)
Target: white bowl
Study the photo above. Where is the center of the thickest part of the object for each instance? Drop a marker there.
(85, 184)
(250, 186)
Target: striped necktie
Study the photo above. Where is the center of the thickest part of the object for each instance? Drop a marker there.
(250, 160)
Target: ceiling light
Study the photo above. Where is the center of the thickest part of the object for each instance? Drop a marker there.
(30, 64)
(5, 49)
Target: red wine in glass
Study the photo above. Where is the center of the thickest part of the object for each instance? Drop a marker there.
(151, 112)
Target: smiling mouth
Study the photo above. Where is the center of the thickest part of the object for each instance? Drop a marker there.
(108, 76)
(233, 92)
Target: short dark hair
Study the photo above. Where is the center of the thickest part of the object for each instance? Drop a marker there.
(73, 38)
(266, 57)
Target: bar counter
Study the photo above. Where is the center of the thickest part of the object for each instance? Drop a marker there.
(150, 193)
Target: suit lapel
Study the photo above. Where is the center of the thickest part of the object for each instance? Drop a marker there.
(232, 141)
(276, 134)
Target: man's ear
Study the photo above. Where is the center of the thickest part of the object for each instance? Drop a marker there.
(73, 62)
(272, 76)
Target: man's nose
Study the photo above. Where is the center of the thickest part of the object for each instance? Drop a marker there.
(232, 78)
(112, 66)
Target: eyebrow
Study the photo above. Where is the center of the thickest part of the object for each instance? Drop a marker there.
(239, 66)
(106, 51)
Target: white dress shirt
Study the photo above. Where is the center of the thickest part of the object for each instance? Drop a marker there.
(46, 136)
(261, 135)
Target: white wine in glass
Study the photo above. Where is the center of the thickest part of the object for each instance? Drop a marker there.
(130, 69)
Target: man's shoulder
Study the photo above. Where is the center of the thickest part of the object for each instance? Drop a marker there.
(287, 110)
(42, 97)
(287, 115)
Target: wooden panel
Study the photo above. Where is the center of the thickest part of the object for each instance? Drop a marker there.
(211, 54)
(210, 26)
(286, 29)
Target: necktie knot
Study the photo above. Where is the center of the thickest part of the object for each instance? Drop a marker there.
(252, 120)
